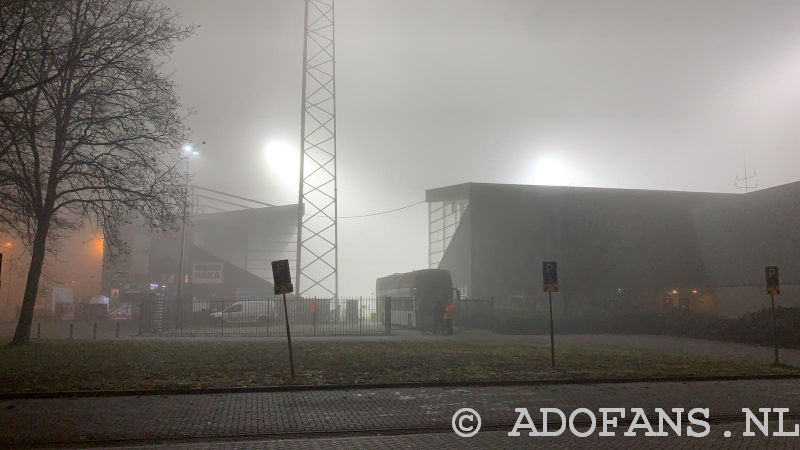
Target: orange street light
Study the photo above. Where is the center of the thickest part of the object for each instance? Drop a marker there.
(99, 243)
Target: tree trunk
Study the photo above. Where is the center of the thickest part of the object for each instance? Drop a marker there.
(23, 332)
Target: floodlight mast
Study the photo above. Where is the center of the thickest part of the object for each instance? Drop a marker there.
(317, 252)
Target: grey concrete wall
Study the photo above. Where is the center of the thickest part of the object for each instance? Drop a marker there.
(604, 240)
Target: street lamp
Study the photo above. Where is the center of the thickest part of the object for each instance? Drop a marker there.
(7, 245)
(190, 149)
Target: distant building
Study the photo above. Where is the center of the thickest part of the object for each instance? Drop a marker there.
(227, 255)
(617, 248)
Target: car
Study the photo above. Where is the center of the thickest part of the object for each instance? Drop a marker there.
(258, 312)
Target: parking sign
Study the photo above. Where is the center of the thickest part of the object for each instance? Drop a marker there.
(773, 281)
(281, 277)
(550, 276)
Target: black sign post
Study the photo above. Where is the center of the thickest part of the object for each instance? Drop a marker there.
(550, 278)
(773, 289)
(282, 279)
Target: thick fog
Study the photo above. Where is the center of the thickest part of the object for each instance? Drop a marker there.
(628, 94)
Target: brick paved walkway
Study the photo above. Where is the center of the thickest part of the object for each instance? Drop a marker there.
(500, 440)
(172, 419)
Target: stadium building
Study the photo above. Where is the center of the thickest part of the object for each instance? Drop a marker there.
(229, 243)
(617, 248)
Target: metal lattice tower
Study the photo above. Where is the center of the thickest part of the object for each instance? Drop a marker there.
(317, 253)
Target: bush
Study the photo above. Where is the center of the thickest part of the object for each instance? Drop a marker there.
(753, 328)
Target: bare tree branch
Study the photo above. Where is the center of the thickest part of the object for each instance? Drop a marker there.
(96, 139)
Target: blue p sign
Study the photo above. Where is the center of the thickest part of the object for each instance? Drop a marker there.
(773, 281)
(550, 276)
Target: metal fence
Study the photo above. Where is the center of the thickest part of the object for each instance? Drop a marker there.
(306, 316)
(265, 317)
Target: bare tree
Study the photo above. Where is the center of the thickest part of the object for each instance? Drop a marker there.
(100, 143)
(17, 18)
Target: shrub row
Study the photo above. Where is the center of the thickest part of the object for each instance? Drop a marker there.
(753, 328)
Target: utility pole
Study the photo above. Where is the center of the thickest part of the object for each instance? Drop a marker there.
(9, 271)
(317, 252)
(190, 151)
(1, 273)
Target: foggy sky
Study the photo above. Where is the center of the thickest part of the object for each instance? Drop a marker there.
(631, 94)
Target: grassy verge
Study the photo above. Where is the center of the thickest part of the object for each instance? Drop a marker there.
(112, 365)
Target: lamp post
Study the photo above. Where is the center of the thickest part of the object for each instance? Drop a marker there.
(8, 245)
(191, 151)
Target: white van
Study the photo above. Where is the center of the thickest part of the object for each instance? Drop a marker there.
(259, 312)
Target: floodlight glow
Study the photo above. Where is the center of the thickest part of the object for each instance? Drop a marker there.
(551, 172)
(283, 160)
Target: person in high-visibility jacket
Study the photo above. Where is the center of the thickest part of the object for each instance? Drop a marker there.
(449, 312)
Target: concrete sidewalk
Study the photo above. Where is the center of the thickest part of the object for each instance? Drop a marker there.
(354, 413)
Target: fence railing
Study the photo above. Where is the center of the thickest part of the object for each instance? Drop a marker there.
(306, 316)
(266, 317)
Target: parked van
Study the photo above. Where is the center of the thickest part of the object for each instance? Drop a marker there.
(259, 312)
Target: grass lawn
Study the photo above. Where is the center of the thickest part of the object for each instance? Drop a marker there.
(71, 366)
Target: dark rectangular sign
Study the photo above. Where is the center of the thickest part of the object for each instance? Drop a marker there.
(550, 276)
(281, 277)
(773, 281)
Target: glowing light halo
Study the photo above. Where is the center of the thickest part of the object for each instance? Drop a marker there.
(550, 171)
(283, 160)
